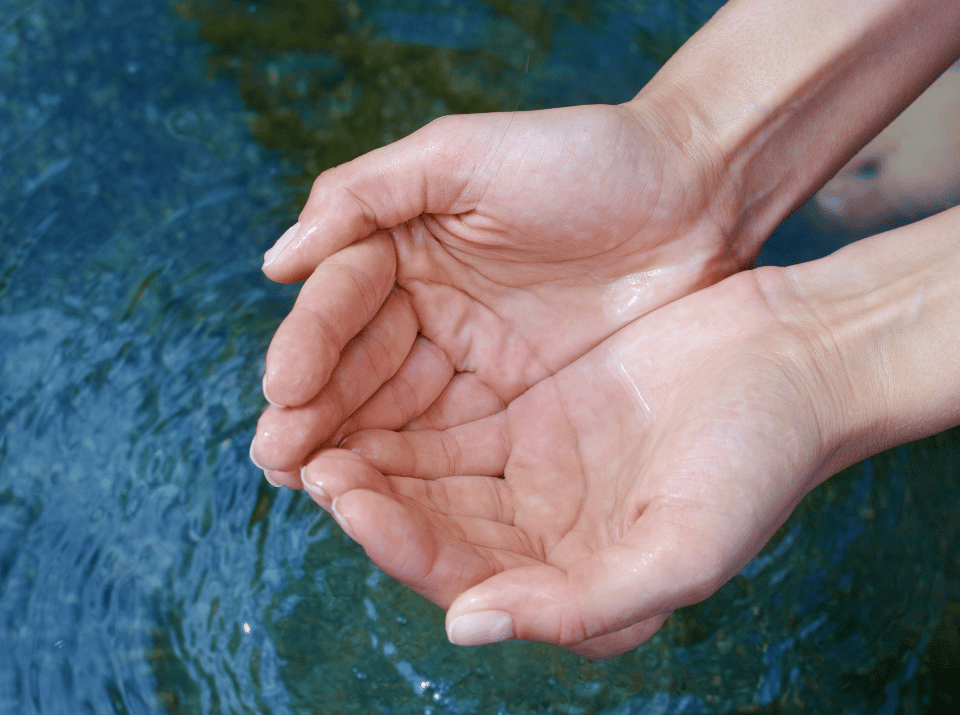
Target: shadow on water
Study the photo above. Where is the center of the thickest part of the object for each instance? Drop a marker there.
(144, 564)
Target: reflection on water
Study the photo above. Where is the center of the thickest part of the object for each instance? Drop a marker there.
(144, 564)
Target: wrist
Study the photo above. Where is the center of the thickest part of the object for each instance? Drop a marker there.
(773, 98)
(881, 321)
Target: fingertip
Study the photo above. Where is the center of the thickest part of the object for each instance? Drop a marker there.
(274, 477)
(332, 472)
(368, 444)
(279, 478)
(332, 219)
(343, 521)
(478, 617)
(299, 361)
(314, 485)
(297, 253)
(266, 394)
(253, 453)
(288, 237)
(316, 479)
(480, 628)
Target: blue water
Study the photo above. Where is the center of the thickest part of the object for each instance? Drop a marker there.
(145, 566)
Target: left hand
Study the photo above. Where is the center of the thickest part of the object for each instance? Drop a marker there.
(457, 267)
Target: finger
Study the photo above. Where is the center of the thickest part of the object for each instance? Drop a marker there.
(332, 472)
(418, 382)
(486, 498)
(476, 448)
(424, 551)
(615, 590)
(465, 399)
(421, 173)
(336, 302)
(476, 510)
(285, 436)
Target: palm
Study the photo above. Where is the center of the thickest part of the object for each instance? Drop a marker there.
(517, 243)
(635, 481)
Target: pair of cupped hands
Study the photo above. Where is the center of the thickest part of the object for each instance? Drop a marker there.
(528, 373)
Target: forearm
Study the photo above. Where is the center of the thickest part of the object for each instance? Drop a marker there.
(777, 96)
(883, 321)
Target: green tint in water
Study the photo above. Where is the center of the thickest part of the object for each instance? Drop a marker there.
(326, 85)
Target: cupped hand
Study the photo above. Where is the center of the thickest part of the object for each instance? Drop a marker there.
(449, 272)
(634, 481)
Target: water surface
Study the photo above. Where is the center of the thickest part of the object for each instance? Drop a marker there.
(145, 567)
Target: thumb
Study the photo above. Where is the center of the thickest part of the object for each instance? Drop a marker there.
(426, 172)
(600, 606)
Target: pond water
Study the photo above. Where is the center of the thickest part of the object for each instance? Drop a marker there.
(150, 153)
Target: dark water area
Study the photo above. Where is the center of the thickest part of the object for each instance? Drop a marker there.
(150, 153)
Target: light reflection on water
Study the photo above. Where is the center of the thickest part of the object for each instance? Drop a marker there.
(144, 564)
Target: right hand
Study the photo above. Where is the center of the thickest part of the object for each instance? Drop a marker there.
(637, 480)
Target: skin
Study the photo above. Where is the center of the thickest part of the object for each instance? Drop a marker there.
(523, 296)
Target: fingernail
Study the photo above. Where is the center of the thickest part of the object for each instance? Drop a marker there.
(481, 628)
(271, 255)
(341, 434)
(253, 445)
(344, 524)
(313, 487)
(263, 387)
(267, 474)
